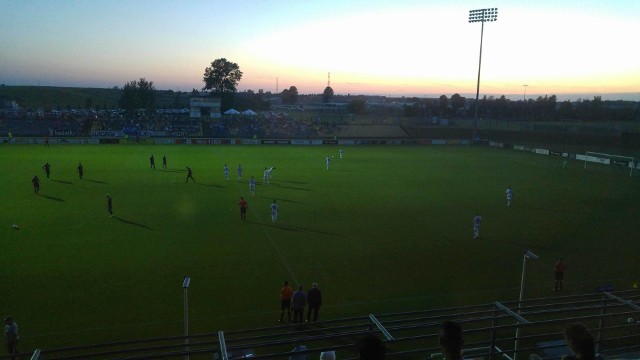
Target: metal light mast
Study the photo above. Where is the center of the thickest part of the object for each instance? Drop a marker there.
(481, 16)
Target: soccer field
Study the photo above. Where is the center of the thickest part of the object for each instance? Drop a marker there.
(386, 229)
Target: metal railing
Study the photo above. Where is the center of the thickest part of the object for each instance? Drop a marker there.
(489, 332)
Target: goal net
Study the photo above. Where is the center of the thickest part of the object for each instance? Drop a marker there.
(610, 159)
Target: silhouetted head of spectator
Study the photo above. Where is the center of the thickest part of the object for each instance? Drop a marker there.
(450, 339)
(580, 341)
(371, 348)
(328, 355)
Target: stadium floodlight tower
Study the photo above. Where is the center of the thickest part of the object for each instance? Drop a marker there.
(185, 286)
(527, 255)
(481, 16)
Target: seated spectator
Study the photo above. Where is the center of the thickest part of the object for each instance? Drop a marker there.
(328, 355)
(298, 348)
(371, 348)
(450, 339)
(580, 341)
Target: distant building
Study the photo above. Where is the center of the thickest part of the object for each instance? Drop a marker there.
(210, 105)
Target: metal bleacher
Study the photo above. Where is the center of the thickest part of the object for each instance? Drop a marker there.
(489, 333)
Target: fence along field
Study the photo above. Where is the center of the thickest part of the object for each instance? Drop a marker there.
(383, 230)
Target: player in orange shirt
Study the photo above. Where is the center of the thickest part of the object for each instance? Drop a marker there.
(558, 272)
(285, 300)
(244, 205)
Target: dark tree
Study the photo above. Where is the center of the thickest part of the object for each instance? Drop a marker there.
(444, 105)
(222, 76)
(251, 100)
(357, 106)
(413, 110)
(289, 96)
(136, 95)
(457, 102)
(566, 110)
(146, 94)
(327, 95)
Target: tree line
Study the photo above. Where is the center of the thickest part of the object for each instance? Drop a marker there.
(542, 108)
(222, 77)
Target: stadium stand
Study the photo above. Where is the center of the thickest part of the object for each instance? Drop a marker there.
(371, 131)
(489, 332)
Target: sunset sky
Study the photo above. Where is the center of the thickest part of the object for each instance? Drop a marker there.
(570, 48)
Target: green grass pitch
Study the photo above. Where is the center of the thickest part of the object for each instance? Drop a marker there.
(386, 229)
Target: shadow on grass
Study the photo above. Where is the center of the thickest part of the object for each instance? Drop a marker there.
(291, 187)
(132, 223)
(525, 245)
(298, 229)
(209, 185)
(279, 200)
(95, 181)
(294, 182)
(52, 198)
(62, 182)
(579, 211)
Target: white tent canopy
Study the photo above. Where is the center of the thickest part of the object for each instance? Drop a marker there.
(249, 112)
(232, 112)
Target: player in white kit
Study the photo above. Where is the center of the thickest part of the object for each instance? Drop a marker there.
(477, 220)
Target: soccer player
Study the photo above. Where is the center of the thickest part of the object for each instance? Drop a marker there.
(509, 194)
(269, 170)
(341, 153)
(274, 212)
(47, 169)
(164, 162)
(109, 205)
(327, 161)
(265, 176)
(244, 205)
(152, 161)
(239, 172)
(477, 220)
(226, 172)
(36, 183)
(80, 170)
(252, 186)
(286, 292)
(190, 175)
(558, 273)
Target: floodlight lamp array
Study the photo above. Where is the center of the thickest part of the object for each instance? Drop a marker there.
(482, 15)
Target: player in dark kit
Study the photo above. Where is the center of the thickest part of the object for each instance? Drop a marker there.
(190, 175)
(164, 162)
(244, 205)
(109, 205)
(152, 161)
(36, 183)
(47, 169)
(80, 170)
